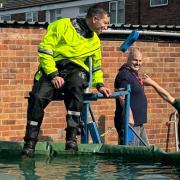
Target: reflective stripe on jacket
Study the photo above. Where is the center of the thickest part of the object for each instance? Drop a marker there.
(62, 41)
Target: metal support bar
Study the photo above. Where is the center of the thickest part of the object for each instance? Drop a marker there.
(175, 114)
(137, 136)
(85, 136)
(93, 128)
(126, 116)
(94, 97)
(176, 130)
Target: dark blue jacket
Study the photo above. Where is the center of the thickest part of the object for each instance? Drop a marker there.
(138, 100)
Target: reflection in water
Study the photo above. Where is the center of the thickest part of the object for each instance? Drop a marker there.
(84, 167)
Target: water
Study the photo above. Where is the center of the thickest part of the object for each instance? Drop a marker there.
(84, 167)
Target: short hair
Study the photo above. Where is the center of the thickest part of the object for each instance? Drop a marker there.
(96, 10)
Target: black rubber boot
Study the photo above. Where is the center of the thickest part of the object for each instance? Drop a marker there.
(28, 149)
(30, 140)
(74, 127)
(71, 139)
(81, 127)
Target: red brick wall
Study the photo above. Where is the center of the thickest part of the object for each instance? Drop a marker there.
(140, 12)
(19, 61)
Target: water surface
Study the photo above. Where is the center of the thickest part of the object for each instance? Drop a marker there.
(85, 167)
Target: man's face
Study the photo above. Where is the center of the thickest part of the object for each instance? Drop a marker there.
(100, 24)
(135, 61)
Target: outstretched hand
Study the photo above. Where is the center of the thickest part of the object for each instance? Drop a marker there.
(147, 81)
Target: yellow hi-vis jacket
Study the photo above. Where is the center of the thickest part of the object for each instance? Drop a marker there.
(62, 41)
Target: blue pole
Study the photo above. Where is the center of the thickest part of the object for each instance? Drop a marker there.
(85, 133)
(127, 110)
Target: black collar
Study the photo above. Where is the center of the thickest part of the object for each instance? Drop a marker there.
(81, 27)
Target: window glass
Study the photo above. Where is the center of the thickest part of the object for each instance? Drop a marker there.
(83, 9)
(113, 10)
(117, 12)
(32, 16)
(35, 16)
(58, 11)
(5, 18)
(158, 2)
(57, 14)
(121, 12)
(52, 15)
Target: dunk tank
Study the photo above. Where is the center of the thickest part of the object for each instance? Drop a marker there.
(93, 160)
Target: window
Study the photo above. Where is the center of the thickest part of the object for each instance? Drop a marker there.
(32, 16)
(5, 18)
(117, 12)
(83, 11)
(58, 14)
(55, 14)
(154, 3)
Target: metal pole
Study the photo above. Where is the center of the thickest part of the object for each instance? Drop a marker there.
(143, 32)
(138, 136)
(176, 131)
(127, 110)
(85, 135)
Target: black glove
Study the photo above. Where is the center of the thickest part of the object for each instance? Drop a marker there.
(176, 104)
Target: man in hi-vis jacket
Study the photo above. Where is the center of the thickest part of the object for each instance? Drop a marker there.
(63, 54)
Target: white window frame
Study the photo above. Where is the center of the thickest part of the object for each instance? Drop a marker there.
(3, 17)
(157, 5)
(55, 14)
(116, 4)
(32, 16)
(83, 14)
(58, 13)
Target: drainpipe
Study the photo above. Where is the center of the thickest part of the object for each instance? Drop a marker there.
(145, 32)
(139, 11)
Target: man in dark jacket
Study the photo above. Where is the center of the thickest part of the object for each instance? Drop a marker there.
(128, 74)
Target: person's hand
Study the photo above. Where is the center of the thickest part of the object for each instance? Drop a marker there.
(57, 82)
(105, 91)
(147, 81)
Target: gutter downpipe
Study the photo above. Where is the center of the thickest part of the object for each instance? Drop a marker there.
(156, 33)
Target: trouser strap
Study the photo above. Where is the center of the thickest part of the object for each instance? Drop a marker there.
(32, 132)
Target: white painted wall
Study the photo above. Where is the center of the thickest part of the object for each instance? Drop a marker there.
(70, 12)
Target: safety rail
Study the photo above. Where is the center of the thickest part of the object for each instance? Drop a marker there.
(174, 120)
(92, 127)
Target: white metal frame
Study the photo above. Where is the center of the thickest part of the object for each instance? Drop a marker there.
(113, 2)
(57, 13)
(157, 5)
(31, 16)
(174, 120)
(2, 18)
(116, 4)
